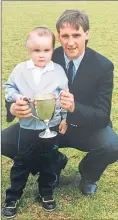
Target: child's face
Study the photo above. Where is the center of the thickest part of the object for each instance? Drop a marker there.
(41, 50)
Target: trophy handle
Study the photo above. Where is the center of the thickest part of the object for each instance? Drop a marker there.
(25, 98)
(57, 99)
(58, 112)
(35, 116)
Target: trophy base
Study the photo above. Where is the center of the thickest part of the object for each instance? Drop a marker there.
(48, 134)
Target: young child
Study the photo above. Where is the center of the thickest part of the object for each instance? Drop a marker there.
(38, 75)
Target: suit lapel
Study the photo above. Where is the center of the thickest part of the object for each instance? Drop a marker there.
(62, 60)
(84, 66)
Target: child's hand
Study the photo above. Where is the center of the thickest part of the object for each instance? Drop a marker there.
(63, 126)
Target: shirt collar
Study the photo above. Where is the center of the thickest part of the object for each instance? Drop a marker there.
(48, 67)
(76, 61)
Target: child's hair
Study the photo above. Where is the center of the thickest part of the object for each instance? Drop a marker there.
(41, 31)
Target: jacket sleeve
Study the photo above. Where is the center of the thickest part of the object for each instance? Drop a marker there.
(9, 116)
(97, 115)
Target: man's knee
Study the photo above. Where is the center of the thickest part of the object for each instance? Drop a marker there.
(112, 148)
(9, 141)
(110, 141)
(105, 141)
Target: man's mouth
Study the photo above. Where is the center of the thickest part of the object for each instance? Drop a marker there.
(71, 49)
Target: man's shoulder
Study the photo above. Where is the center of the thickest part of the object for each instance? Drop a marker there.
(58, 50)
(58, 55)
(98, 58)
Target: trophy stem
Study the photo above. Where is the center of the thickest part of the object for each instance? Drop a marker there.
(47, 127)
(46, 123)
(47, 133)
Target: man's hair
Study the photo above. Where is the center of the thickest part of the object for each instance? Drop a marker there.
(41, 31)
(75, 18)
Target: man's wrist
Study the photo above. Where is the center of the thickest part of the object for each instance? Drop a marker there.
(72, 108)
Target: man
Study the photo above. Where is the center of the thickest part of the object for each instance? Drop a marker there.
(88, 102)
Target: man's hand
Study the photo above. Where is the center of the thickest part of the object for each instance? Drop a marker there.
(67, 101)
(63, 126)
(21, 109)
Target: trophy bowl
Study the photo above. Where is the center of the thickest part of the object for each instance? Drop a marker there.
(45, 107)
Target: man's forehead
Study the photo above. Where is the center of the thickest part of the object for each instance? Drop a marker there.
(71, 27)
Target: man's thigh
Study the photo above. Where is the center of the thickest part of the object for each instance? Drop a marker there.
(63, 141)
(9, 141)
(104, 139)
(72, 139)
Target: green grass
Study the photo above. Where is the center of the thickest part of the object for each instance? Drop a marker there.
(18, 18)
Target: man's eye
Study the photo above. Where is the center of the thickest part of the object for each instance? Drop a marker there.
(65, 36)
(76, 35)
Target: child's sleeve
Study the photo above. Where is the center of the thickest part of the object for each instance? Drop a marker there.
(11, 90)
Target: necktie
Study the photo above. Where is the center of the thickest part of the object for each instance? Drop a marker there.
(70, 72)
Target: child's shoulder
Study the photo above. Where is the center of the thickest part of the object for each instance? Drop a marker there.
(19, 68)
(21, 64)
(58, 66)
(59, 71)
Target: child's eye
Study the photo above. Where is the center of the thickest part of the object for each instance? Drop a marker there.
(37, 50)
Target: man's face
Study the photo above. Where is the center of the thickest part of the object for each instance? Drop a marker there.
(40, 50)
(73, 41)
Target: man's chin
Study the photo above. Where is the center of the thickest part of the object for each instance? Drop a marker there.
(72, 56)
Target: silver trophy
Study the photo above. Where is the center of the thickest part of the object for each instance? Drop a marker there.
(45, 107)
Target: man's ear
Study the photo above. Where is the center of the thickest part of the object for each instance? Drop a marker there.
(87, 35)
(58, 37)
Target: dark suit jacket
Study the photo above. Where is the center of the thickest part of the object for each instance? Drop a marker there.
(92, 89)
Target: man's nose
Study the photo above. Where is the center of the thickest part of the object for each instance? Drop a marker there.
(71, 41)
